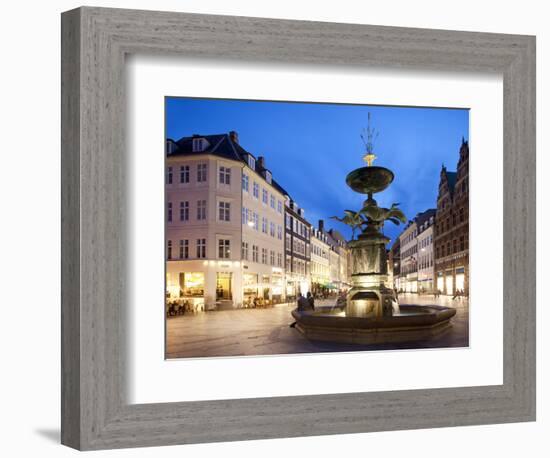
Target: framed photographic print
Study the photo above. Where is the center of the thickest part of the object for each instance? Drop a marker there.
(271, 224)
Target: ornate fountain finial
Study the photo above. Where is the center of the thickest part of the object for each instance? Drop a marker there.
(371, 135)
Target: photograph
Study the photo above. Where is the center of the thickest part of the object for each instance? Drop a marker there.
(308, 227)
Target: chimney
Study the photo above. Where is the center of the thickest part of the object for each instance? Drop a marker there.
(261, 162)
(321, 225)
(234, 136)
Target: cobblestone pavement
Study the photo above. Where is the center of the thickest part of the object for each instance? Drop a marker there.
(266, 332)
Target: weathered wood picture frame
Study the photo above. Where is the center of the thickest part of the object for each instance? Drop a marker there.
(95, 410)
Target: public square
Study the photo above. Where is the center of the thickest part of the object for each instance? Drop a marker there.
(251, 332)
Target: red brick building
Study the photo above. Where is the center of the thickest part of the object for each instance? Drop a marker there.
(451, 231)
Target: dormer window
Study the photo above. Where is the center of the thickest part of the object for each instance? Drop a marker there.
(268, 176)
(170, 146)
(251, 162)
(199, 144)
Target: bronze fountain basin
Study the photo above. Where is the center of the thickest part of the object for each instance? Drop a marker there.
(366, 180)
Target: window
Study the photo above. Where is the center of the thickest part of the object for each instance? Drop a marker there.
(455, 246)
(224, 248)
(184, 211)
(184, 174)
(268, 177)
(245, 182)
(201, 248)
(256, 220)
(272, 229)
(169, 212)
(169, 250)
(170, 147)
(264, 196)
(225, 175)
(462, 246)
(272, 257)
(254, 253)
(264, 255)
(264, 225)
(288, 222)
(169, 175)
(202, 170)
(280, 206)
(272, 201)
(244, 253)
(192, 283)
(200, 144)
(461, 215)
(280, 232)
(287, 240)
(184, 249)
(252, 162)
(245, 215)
(279, 260)
(256, 190)
(201, 210)
(224, 210)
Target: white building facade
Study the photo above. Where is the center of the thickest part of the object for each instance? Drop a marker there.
(224, 225)
(320, 261)
(417, 255)
(426, 257)
(409, 274)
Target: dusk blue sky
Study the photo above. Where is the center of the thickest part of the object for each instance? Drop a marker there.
(311, 147)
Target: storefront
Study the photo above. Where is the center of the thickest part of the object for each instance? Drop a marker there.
(411, 285)
(440, 282)
(449, 282)
(250, 288)
(191, 284)
(459, 279)
(277, 286)
(224, 286)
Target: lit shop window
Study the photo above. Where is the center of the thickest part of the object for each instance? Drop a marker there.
(250, 285)
(192, 283)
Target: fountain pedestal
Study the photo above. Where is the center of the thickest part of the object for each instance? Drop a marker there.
(369, 297)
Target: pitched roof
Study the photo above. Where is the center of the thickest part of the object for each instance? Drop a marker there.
(421, 218)
(219, 145)
(222, 145)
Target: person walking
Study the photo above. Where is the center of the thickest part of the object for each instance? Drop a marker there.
(311, 301)
(302, 305)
